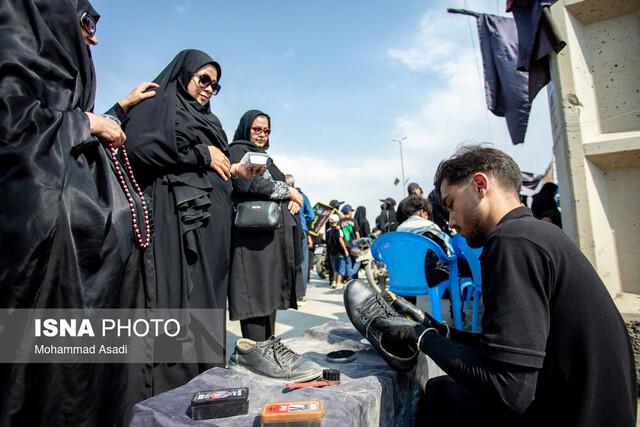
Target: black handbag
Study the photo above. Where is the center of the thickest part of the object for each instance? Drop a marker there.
(257, 215)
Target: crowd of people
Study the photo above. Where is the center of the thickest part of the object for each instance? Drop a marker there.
(91, 222)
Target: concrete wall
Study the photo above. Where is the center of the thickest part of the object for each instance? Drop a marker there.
(595, 109)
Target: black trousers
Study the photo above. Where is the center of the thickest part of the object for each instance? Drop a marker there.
(259, 328)
(448, 403)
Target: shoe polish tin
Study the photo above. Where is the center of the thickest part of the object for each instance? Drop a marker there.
(306, 413)
(220, 403)
(341, 356)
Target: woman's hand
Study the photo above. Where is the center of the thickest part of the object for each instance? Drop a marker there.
(295, 196)
(238, 169)
(219, 162)
(293, 207)
(138, 94)
(106, 129)
(295, 200)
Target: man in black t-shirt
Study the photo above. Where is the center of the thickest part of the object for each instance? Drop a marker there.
(553, 349)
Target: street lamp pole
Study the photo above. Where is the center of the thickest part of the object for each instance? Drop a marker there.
(399, 141)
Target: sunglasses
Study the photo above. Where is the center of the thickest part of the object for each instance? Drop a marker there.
(88, 23)
(205, 81)
(260, 130)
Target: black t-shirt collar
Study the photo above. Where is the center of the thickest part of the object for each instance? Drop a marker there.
(516, 213)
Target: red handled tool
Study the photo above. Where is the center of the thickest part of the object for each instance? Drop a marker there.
(329, 377)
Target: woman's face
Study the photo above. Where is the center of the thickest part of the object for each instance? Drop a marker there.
(87, 23)
(195, 89)
(260, 131)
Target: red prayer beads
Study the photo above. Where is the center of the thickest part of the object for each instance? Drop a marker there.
(136, 228)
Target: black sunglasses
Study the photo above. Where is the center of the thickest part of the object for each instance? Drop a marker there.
(88, 23)
(205, 81)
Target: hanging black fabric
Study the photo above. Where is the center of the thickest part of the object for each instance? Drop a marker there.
(506, 88)
(66, 237)
(514, 74)
(537, 38)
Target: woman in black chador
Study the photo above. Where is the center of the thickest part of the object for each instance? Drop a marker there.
(179, 153)
(264, 264)
(544, 204)
(67, 237)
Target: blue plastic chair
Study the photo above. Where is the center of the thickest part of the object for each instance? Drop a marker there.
(404, 255)
(472, 284)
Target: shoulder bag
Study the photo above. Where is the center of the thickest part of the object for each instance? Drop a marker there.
(257, 215)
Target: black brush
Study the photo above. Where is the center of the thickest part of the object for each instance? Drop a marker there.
(329, 377)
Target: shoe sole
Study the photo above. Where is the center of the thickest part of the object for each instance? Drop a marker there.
(301, 378)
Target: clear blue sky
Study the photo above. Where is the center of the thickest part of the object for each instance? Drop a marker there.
(340, 80)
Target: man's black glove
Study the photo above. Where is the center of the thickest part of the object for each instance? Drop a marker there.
(401, 331)
(414, 312)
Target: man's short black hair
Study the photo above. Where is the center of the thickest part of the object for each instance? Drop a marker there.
(471, 159)
(413, 204)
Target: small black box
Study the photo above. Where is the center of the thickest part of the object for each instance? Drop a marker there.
(220, 403)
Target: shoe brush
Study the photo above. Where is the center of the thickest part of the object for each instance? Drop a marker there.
(329, 377)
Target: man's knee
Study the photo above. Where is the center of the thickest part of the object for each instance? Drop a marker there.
(446, 402)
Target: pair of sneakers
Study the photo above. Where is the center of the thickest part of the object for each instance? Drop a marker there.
(364, 305)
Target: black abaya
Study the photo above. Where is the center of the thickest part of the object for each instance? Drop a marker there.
(66, 235)
(265, 264)
(168, 136)
(544, 203)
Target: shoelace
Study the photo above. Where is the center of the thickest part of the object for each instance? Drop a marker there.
(374, 308)
(281, 353)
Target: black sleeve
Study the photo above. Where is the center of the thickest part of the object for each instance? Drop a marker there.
(515, 285)
(257, 186)
(119, 112)
(468, 339)
(505, 384)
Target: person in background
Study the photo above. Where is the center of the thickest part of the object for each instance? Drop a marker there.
(544, 204)
(361, 220)
(350, 232)
(418, 212)
(414, 188)
(337, 250)
(307, 215)
(440, 216)
(553, 347)
(265, 264)
(386, 221)
(335, 204)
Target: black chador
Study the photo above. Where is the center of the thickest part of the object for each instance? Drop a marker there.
(168, 137)
(66, 232)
